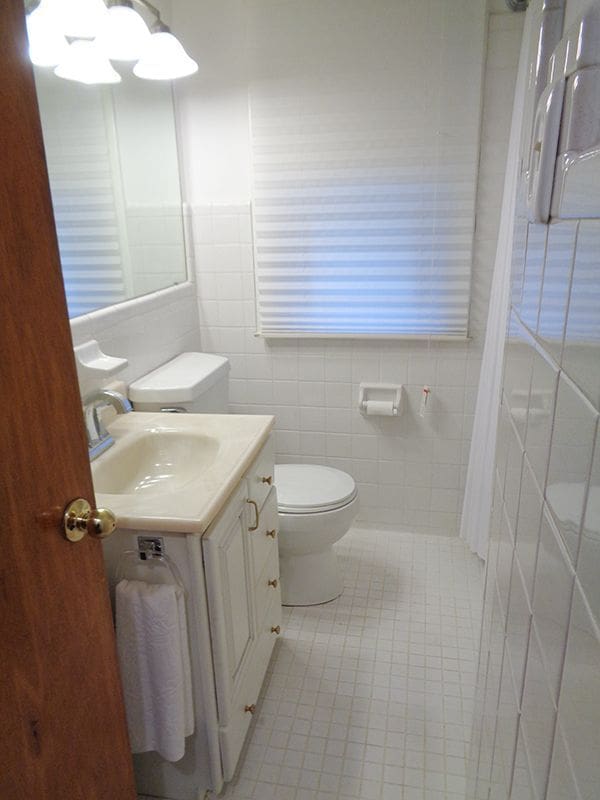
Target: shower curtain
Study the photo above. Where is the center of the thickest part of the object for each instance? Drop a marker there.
(475, 522)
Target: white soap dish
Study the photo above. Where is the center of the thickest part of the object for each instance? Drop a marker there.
(93, 363)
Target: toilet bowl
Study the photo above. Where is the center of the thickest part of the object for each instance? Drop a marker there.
(317, 506)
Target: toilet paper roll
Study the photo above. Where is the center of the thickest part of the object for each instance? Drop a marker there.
(379, 408)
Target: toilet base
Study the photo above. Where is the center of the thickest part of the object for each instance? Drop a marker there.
(309, 579)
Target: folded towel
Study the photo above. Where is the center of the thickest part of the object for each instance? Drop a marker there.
(154, 657)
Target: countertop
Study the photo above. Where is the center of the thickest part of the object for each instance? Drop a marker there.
(192, 507)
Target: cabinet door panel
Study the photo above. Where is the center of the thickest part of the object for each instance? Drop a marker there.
(234, 587)
(264, 539)
(233, 734)
(229, 590)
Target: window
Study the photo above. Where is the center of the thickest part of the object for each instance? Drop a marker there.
(365, 141)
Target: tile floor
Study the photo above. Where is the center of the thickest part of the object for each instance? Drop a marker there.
(371, 696)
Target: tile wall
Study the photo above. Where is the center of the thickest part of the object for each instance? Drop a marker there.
(538, 703)
(410, 471)
(156, 250)
(147, 331)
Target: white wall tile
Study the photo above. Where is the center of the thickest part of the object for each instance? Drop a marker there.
(147, 331)
(562, 784)
(552, 601)
(579, 707)
(569, 467)
(538, 716)
(324, 375)
(552, 596)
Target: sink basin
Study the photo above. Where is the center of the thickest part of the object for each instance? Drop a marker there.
(155, 462)
(174, 472)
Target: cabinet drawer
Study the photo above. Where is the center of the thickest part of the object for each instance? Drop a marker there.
(261, 474)
(233, 734)
(264, 538)
(267, 586)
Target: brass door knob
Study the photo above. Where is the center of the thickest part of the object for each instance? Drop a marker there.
(250, 709)
(271, 533)
(268, 480)
(273, 582)
(276, 629)
(80, 518)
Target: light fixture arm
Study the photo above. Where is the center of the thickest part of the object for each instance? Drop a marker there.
(158, 26)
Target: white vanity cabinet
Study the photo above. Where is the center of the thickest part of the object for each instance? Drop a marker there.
(233, 602)
(241, 567)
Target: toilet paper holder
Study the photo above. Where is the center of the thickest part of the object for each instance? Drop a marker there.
(380, 399)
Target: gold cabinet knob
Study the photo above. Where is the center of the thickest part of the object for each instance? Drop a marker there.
(276, 629)
(268, 480)
(80, 518)
(271, 533)
(273, 582)
(250, 709)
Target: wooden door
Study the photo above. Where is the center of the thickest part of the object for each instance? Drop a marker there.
(62, 723)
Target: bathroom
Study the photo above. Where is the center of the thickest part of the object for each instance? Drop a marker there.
(372, 228)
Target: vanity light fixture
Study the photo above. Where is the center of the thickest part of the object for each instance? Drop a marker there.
(79, 19)
(47, 42)
(124, 35)
(85, 63)
(164, 59)
(98, 33)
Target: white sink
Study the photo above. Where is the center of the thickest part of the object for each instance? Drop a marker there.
(154, 462)
(174, 472)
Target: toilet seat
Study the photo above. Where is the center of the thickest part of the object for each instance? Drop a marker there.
(312, 489)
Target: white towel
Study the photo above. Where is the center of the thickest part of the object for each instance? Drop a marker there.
(154, 656)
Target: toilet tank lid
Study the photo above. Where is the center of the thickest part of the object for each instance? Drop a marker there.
(180, 380)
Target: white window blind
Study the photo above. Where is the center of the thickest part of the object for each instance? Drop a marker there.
(82, 159)
(365, 138)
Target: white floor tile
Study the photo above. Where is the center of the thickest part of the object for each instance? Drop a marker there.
(370, 696)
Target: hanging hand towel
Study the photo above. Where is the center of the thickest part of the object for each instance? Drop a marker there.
(154, 657)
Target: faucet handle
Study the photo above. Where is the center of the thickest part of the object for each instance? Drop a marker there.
(99, 439)
(108, 397)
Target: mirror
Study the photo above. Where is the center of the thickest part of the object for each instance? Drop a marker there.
(114, 178)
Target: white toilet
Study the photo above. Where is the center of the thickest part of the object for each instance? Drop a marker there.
(316, 507)
(316, 504)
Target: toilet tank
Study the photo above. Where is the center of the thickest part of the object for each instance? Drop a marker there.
(195, 382)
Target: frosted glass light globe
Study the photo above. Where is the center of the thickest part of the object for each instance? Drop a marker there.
(79, 19)
(86, 64)
(123, 35)
(47, 44)
(164, 59)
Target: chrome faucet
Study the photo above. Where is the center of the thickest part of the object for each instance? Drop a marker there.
(99, 439)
